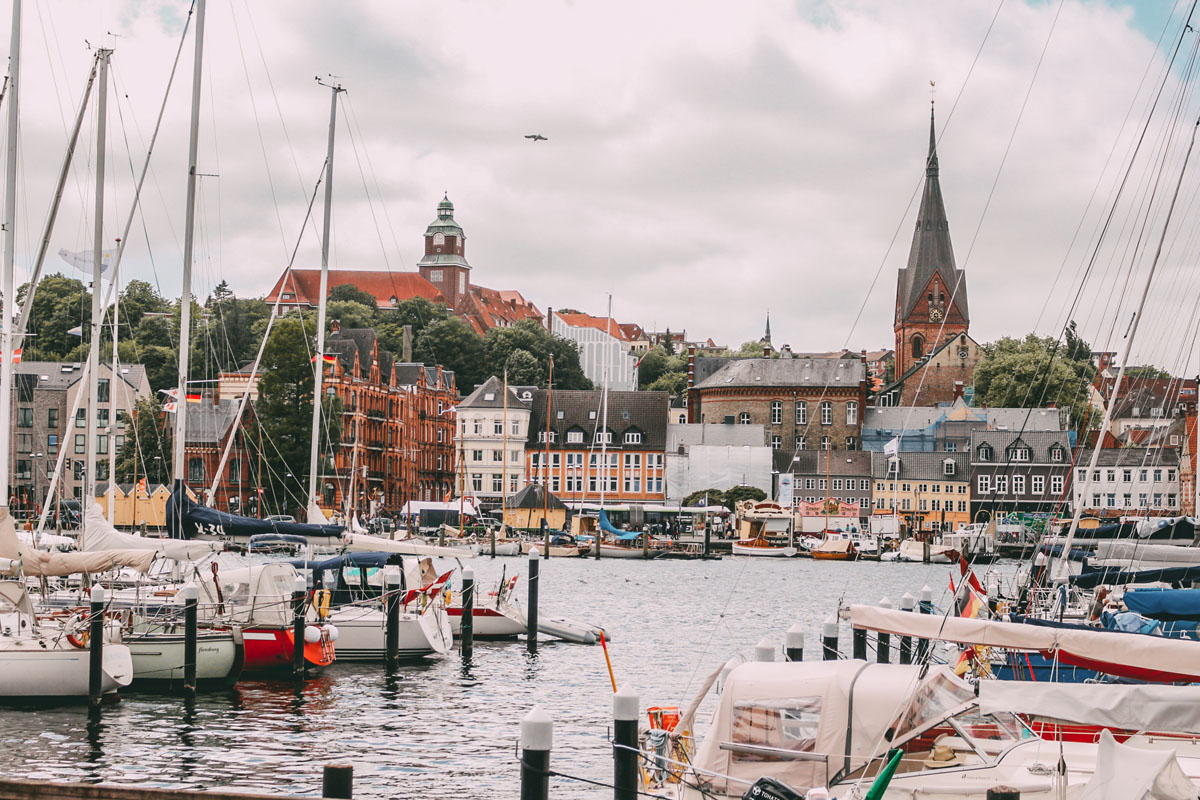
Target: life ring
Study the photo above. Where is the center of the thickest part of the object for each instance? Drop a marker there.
(80, 634)
(322, 598)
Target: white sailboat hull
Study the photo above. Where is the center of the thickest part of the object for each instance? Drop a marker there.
(769, 552)
(27, 674)
(362, 633)
(159, 657)
(490, 622)
(615, 551)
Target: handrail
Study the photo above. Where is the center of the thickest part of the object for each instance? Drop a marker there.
(777, 752)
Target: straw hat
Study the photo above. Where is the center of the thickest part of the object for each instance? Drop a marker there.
(943, 756)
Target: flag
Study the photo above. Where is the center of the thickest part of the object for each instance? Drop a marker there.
(85, 259)
(16, 356)
(449, 410)
(194, 397)
(171, 393)
(892, 447)
(328, 358)
(964, 661)
(170, 407)
(969, 574)
(76, 331)
(974, 607)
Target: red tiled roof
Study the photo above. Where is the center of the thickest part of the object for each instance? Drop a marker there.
(385, 287)
(611, 327)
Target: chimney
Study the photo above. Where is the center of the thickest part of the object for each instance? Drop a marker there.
(958, 390)
(766, 351)
(335, 325)
(549, 318)
(786, 352)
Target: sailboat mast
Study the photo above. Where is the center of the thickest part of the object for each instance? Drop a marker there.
(91, 416)
(604, 409)
(319, 361)
(189, 241)
(111, 428)
(8, 294)
(504, 455)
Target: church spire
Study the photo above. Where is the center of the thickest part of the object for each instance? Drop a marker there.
(931, 162)
(767, 336)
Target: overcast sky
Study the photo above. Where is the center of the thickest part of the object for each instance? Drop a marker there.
(706, 162)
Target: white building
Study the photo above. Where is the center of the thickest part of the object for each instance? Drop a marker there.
(603, 342)
(1128, 481)
(489, 460)
(714, 456)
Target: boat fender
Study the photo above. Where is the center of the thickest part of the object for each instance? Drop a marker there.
(312, 634)
(321, 599)
(332, 632)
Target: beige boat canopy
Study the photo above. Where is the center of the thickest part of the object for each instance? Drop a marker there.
(37, 563)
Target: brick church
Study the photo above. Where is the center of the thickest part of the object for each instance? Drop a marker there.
(935, 355)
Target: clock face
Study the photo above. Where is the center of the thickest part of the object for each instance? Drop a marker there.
(935, 315)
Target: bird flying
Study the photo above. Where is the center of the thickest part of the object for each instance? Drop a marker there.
(536, 137)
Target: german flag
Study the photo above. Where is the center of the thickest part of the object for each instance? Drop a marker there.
(974, 606)
(194, 397)
(328, 358)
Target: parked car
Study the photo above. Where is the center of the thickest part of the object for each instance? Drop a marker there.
(281, 518)
(381, 525)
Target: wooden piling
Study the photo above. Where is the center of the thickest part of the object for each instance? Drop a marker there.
(392, 604)
(96, 648)
(191, 624)
(337, 781)
(531, 610)
(467, 626)
(299, 595)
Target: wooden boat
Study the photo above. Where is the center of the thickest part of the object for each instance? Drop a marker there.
(759, 546)
(836, 547)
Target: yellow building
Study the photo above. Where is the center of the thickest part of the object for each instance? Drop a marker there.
(149, 507)
(926, 491)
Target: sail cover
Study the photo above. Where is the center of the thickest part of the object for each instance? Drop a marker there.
(101, 535)
(1124, 771)
(36, 563)
(1130, 655)
(1131, 707)
(1168, 604)
(187, 519)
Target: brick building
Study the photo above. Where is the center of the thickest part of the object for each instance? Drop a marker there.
(635, 438)
(931, 292)
(210, 423)
(803, 403)
(1187, 462)
(431, 396)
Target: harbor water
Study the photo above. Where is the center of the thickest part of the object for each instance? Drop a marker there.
(442, 729)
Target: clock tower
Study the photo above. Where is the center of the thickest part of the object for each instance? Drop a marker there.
(931, 293)
(445, 261)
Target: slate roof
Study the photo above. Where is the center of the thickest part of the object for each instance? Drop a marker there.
(1039, 443)
(923, 467)
(917, 418)
(785, 372)
(63, 374)
(715, 434)
(1131, 457)
(931, 250)
(534, 496)
(495, 387)
(812, 462)
(641, 411)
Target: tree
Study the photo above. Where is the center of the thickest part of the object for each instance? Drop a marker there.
(60, 304)
(669, 345)
(348, 291)
(712, 497)
(671, 382)
(661, 369)
(528, 335)
(1034, 372)
(284, 412)
(349, 314)
(452, 343)
(1147, 372)
(524, 369)
(752, 349)
(739, 493)
(146, 451)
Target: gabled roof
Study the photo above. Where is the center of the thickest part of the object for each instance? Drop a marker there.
(641, 411)
(1039, 442)
(384, 286)
(924, 466)
(534, 496)
(812, 462)
(785, 372)
(931, 251)
(490, 394)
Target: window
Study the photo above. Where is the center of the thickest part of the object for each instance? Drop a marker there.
(1001, 484)
(1157, 475)
(985, 452)
(837, 484)
(633, 437)
(24, 417)
(744, 418)
(1143, 499)
(52, 418)
(950, 447)
(1039, 484)
(865, 484)
(497, 456)
(235, 471)
(101, 417)
(477, 481)
(852, 413)
(81, 418)
(1111, 475)
(948, 467)
(196, 470)
(603, 437)
(923, 488)
(776, 442)
(935, 505)
(918, 347)
(826, 413)
(1171, 475)
(514, 456)
(512, 483)
(24, 442)
(102, 445)
(1056, 484)
(1143, 475)
(1127, 501)
(516, 428)
(1095, 476)
(1158, 499)
(1056, 453)
(102, 390)
(776, 724)
(826, 443)
(543, 436)
(822, 484)
(633, 483)
(776, 412)
(24, 469)
(906, 504)
(810, 483)
(1082, 475)
(1095, 501)
(906, 487)
(864, 502)
(1127, 475)
(1018, 483)
(851, 442)
(498, 427)
(52, 444)
(801, 444)
(497, 483)
(1018, 454)
(1171, 500)
(477, 455)
(801, 413)
(574, 437)
(478, 426)
(435, 276)
(80, 443)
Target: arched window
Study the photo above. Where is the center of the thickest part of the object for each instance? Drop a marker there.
(439, 238)
(918, 346)
(776, 413)
(826, 413)
(744, 418)
(852, 413)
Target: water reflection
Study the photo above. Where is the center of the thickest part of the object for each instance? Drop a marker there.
(448, 728)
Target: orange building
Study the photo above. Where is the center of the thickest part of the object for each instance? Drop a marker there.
(565, 452)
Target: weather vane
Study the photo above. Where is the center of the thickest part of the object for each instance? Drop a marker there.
(932, 91)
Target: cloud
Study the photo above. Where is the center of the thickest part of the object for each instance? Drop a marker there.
(706, 161)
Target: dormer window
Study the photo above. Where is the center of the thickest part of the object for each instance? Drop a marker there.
(574, 437)
(1056, 453)
(985, 452)
(633, 437)
(1018, 454)
(948, 466)
(603, 437)
(545, 436)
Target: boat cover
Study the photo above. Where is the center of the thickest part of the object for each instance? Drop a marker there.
(1115, 576)
(365, 543)
(256, 595)
(1132, 707)
(1124, 772)
(1151, 658)
(607, 526)
(187, 519)
(1165, 604)
(833, 546)
(37, 563)
(101, 535)
(1132, 553)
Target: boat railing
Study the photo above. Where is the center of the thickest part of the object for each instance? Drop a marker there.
(773, 752)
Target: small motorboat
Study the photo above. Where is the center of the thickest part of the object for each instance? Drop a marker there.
(759, 546)
(495, 616)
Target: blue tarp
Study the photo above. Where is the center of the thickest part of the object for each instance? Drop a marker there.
(1076, 554)
(607, 526)
(1165, 604)
(1117, 576)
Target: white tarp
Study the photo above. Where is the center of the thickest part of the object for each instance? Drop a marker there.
(37, 563)
(1151, 654)
(1124, 772)
(1143, 555)
(101, 535)
(1133, 707)
(364, 543)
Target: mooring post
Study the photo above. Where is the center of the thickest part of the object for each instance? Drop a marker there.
(537, 734)
(626, 709)
(546, 536)
(707, 538)
(793, 643)
(858, 643)
(645, 543)
(299, 593)
(764, 650)
(597, 545)
(925, 605)
(191, 623)
(492, 540)
(883, 645)
(907, 603)
(531, 610)
(337, 781)
(829, 639)
(925, 551)
(467, 626)
(96, 648)
(391, 584)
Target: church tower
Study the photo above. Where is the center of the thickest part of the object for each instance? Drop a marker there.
(931, 293)
(445, 261)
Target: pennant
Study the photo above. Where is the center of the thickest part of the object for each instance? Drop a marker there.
(171, 393)
(76, 331)
(16, 356)
(449, 410)
(969, 574)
